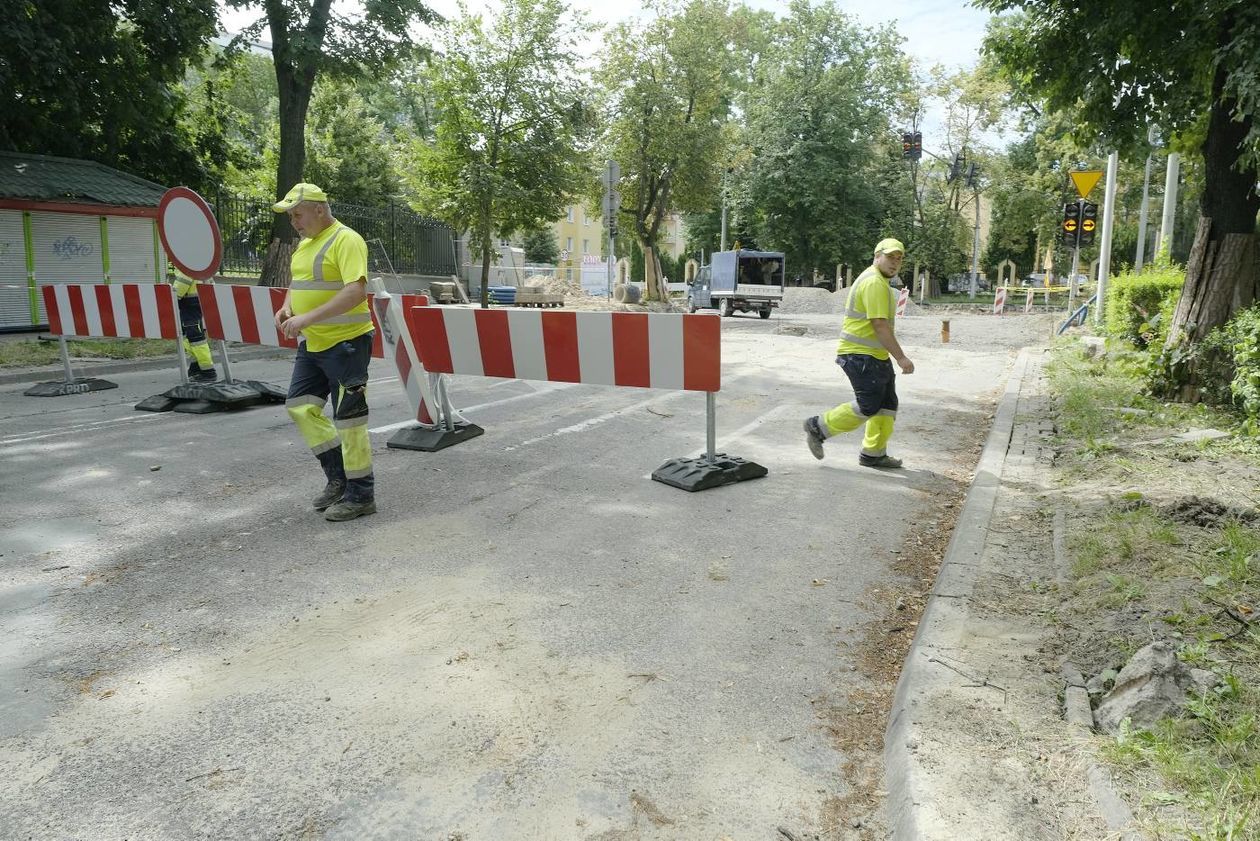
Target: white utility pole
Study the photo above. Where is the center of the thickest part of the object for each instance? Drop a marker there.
(1104, 255)
(1170, 203)
(1152, 138)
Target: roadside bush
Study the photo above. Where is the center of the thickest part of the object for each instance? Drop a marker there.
(1139, 306)
(1240, 338)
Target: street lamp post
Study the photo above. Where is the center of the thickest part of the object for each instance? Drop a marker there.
(1152, 137)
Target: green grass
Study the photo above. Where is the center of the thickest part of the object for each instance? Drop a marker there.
(1184, 581)
(22, 353)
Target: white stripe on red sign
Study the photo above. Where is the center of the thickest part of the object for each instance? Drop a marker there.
(657, 350)
(121, 310)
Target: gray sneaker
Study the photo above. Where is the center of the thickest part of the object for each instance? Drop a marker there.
(331, 493)
(346, 510)
(884, 462)
(814, 437)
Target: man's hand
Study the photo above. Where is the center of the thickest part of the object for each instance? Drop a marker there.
(907, 367)
(292, 326)
(282, 315)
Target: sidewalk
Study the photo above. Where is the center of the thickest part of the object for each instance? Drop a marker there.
(977, 746)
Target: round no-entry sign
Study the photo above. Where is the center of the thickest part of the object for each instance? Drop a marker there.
(189, 233)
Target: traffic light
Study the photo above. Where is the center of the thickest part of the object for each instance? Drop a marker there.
(916, 149)
(1071, 223)
(955, 169)
(907, 146)
(1089, 222)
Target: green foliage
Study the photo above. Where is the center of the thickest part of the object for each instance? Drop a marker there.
(348, 153)
(540, 246)
(817, 152)
(1240, 341)
(100, 81)
(511, 148)
(1139, 305)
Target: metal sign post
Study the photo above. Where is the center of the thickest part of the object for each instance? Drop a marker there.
(610, 204)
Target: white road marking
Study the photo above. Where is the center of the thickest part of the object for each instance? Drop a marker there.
(24, 437)
(595, 421)
(540, 391)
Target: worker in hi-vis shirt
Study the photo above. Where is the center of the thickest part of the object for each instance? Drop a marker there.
(326, 310)
(866, 345)
(201, 369)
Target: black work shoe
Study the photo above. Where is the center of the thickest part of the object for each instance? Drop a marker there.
(814, 437)
(346, 510)
(207, 375)
(331, 493)
(885, 462)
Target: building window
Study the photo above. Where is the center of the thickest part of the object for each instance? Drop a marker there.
(568, 244)
(586, 218)
(586, 246)
(570, 214)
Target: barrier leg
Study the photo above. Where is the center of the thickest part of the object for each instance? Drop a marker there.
(227, 363)
(711, 470)
(70, 385)
(446, 432)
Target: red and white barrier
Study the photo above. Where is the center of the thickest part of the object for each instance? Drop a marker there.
(388, 313)
(121, 310)
(246, 314)
(665, 350)
(903, 298)
(1028, 302)
(999, 301)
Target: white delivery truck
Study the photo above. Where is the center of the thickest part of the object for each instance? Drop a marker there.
(743, 281)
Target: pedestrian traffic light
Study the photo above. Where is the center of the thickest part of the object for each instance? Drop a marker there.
(1071, 226)
(907, 146)
(1089, 222)
(916, 151)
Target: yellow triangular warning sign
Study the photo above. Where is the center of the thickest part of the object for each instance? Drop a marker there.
(1085, 180)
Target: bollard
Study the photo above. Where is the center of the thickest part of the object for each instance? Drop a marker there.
(944, 331)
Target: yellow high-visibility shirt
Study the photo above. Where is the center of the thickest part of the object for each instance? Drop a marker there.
(322, 266)
(870, 297)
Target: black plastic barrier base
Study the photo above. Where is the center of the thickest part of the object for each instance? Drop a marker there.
(61, 389)
(431, 440)
(200, 399)
(700, 474)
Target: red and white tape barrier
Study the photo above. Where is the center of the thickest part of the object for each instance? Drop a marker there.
(903, 298)
(646, 350)
(999, 301)
(117, 310)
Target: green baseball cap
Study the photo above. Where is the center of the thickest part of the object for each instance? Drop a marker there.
(889, 245)
(299, 193)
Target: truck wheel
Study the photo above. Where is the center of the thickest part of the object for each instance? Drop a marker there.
(727, 308)
(765, 313)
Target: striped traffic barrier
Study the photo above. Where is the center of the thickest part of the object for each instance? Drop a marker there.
(903, 298)
(999, 300)
(641, 350)
(1028, 302)
(121, 311)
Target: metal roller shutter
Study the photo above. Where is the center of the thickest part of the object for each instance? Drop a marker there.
(15, 301)
(131, 249)
(67, 249)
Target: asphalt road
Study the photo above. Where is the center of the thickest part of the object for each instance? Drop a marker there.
(530, 640)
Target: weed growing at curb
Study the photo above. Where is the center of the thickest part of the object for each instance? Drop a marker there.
(1164, 539)
(24, 353)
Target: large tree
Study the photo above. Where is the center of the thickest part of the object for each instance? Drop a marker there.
(101, 81)
(670, 81)
(1189, 66)
(513, 127)
(309, 39)
(817, 126)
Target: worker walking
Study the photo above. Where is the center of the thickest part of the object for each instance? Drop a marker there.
(327, 308)
(866, 345)
(201, 369)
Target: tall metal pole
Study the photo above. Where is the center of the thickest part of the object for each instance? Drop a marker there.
(1164, 238)
(723, 247)
(1141, 243)
(1073, 284)
(1104, 255)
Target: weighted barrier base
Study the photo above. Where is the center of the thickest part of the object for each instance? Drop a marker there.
(700, 474)
(61, 389)
(202, 398)
(431, 440)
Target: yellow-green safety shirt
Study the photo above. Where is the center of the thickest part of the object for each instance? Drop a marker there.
(870, 297)
(186, 287)
(322, 266)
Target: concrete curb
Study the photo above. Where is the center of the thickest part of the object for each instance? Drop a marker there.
(946, 615)
(92, 368)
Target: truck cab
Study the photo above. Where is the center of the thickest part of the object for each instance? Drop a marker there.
(739, 281)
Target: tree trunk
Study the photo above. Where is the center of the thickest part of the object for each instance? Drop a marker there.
(652, 287)
(1222, 273)
(295, 95)
(485, 264)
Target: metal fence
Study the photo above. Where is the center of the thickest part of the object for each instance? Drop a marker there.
(413, 244)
